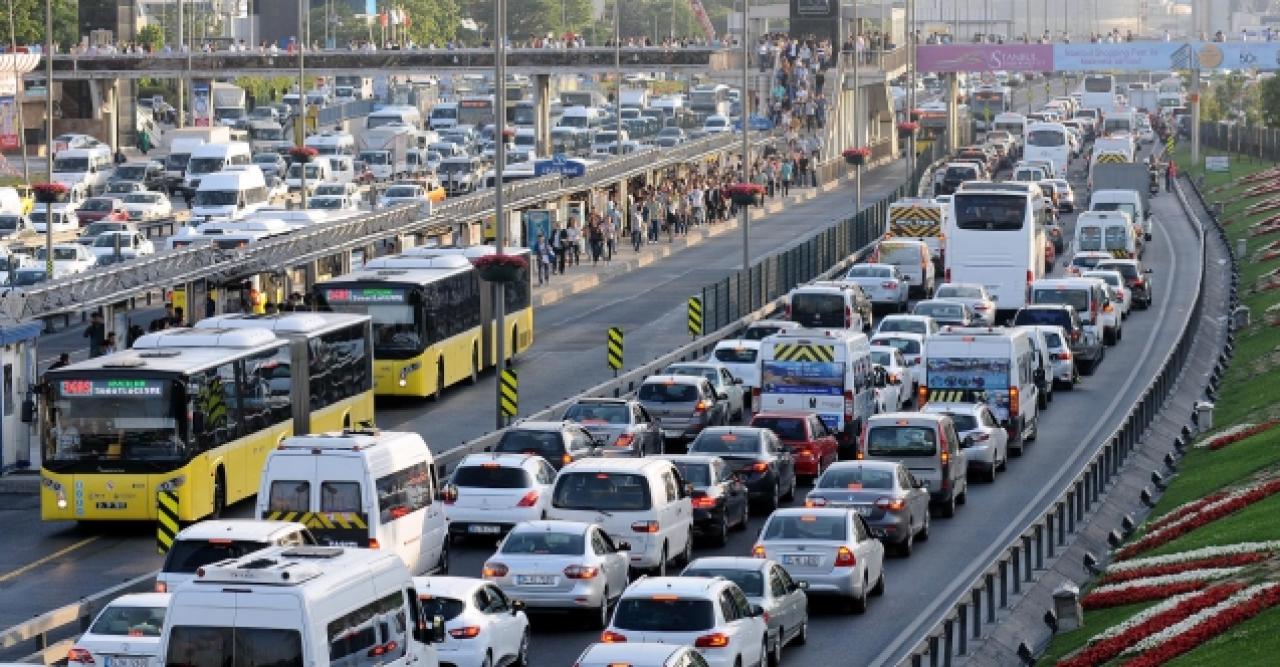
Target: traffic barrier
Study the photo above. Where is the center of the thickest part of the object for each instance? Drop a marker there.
(167, 525)
(695, 316)
(614, 353)
(510, 394)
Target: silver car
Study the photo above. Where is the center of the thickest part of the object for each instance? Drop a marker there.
(973, 295)
(894, 504)
(830, 548)
(721, 380)
(565, 565)
(983, 439)
(1062, 362)
(767, 584)
(684, 404)
(622, 427)
(884, 284)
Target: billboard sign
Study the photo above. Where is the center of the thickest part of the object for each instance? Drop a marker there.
(1100, 57)
(985, 57)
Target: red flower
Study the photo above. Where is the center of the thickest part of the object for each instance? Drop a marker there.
(1185, 510)
(737, 189)
(862, 151)
(1210, 628)
(303, 153)
(1107, 649)
(908, 126)
(1232, 438)
(51, 187)
(1231, 560)
(1155, 539)
(495, 260)
(1104, 599)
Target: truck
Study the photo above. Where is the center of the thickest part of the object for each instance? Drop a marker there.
(384, 150)
(634, 98)
(228, 102)
(268, 136)
(921, 219)
(1144, 99)
(184, 140)
(1123, 187)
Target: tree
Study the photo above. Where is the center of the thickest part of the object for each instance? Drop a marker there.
(151, 36)
(430, 21)
(527, 18)
(28, 21)
(1269, 91)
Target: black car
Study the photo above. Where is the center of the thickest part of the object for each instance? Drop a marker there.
(1136, 278)
(150, 174)
(720, 499)
(560, 443)
(757, 456)
(1087, 350)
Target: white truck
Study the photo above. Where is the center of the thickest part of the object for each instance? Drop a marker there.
(228, 102)
(634, 98)
(384, 150)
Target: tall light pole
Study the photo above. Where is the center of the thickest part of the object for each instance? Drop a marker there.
(617, 75)
(182, 79)
(301, 133)
(499, 165)
(17, 78)
(48, 133)
(745, 116)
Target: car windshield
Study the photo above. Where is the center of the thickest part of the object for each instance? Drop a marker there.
(1079, 298)
(806, 527)
(596, 491)
(402, 192)
(547, 444)
(141, 198)
(750, 581)
(759, 332)
(130, 172)
(939, 311)
(1053, 340)
(205, 165)
(958, 291)
(325, 203)
(856, 478)
(963, 421)
(542, 542)
(455, 167)
(881, 358)
(901, 441)
(904, 345)
(736, 355)
(1040, 316)
(663, 613)
(787, 428)
(711, 374)
(1088, 237)
(267, 159)
(668, 392)
(863, 271)
(71, 164)
(697, 474)
(96, 205)
(129, 621)
(208, 646)
(187, 555)
(446, 608)
(108, 241)
(890, 325)
(818, 310)
(717, 442)
(491, 476)
(1115, 206)
(217, 197)
(989, 211)
(598, 413)
(59, 254)
(10, 223)
(1127, 270)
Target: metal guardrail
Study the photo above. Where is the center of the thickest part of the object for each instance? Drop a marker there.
(340, 112)
(1260, 142)
(75, 617)
(1020, 559)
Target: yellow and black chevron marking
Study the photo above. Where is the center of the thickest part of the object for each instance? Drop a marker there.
(916, 229)
(322, 520)
(1168, 145)
(955, 395)
(1120, 254)
(917, 213)
(510, 391)
(1112, 158)
(695, 316)
(614, 353)
(166, 520)
(803, 352)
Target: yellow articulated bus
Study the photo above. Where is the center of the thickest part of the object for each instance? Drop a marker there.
(432, 317)
(193, 411)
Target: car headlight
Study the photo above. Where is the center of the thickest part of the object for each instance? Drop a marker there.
(404, 372)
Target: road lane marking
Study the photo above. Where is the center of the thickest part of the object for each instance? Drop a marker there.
(37, 563)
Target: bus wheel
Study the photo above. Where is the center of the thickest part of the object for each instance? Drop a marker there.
(219, 494)
(475, 365)
(438, 395)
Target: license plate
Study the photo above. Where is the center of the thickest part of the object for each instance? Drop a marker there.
(484, 530)
(864, 510)
(114, 661)
(672, 434)
(801, 560)
(535, 579)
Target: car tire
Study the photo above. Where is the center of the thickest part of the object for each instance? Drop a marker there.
(219, 494)
(442, 567)
(686, 556)
(746, 517)
(948, 508)
(1042, 400)
(858, 605)
(488, 660)
(722, 531)
(907, 546)
(790, 495)
(878, 589)
(775, 656)
(923, 535)
(522, 653)
(990, 477)
(771, 501)
(1119, 334)
(600, 618)
(1108, 337)
(1089, 366)
(661, 569)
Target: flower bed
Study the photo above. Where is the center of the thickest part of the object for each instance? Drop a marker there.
(1195, 555)
(1185, 509)
(303, 154)
(1112, 642)
(500, 268)
(1181, 637)
(50, 193)
(1231, 438)
(1214, 562)
(1153, 588)
(1209, 513)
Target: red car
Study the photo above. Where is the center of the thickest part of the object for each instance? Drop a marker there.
(813, 445)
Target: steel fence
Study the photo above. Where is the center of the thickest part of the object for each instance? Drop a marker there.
(1259, 142)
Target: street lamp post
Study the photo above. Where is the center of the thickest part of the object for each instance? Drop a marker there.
(48, 132)
(22, 130)
(301, 133)
(617, 76)
(499, 165)
(745, 116)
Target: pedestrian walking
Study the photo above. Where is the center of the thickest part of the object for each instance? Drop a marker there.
(595, 237)
(573, 243)
(545, 256)
(96, 332)
(560, 241)
(1170, 175)
(788, 169)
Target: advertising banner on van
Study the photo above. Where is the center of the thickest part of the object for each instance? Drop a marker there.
(802, 377)
(985, 57)
(967, 373)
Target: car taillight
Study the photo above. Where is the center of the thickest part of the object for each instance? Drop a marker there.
(757, 551)
(947, 273)
(611, 637)
(889, 284)
(922, 395)
(755, 399)
(848, 317)
(981, 437)
(161, 587)
(713, 640)
(1013, 401)
(645, 526)
(373, 543)
(703, 502)
(494, 570)
(80, 655)
(787, 310)
(815, 501)
(1075, 336)
(529, 500)
(700, 407)
(1064, 355)
(624, 440)
(891, 504)
(1137, 282)
(758, 466)
(566, 459)
(845, 558)
(979, 306)
(581, 572)
(848, 406)
(1031, 276)
(468, 632)
(945, 457)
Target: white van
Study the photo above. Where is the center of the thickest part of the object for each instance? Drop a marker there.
(332, 143)
(394, 115)
(914, 259)
(90, 167)
(212, 158)
(215, 540)
(826, 304)
(642, 501)
(996, 366)
(826, 372)
(443, 115)
(1107, 231)
(361, 488)
(229, 194)
(318, 171)
(301, 606)
(342, 169)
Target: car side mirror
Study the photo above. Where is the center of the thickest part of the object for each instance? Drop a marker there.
(737, 380)
(967, 441)
(448, 493)
(688, 490)
(720, 395)
(757, 611)
(517, 606)
(620, 547)
(437, 629)
(918, 484)
(1146, 237)
(802, 585)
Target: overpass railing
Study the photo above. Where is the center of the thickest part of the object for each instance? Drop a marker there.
(888, 61)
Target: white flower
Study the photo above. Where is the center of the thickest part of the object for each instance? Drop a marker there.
(1204, 442)
(1142, 617)
(1191, 517)
(1195, 554)
(1197, 618)
(1205, 574)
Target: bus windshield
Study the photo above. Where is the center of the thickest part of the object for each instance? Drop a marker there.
(1046, 138)
(990, 212)
(397, 323)
(102, 420)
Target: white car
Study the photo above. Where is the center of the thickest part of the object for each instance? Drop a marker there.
(983, 439)
(762, 329)
(765, 583)
(633, 654)
(483, 627)
(64, 219)
(883, 284)
(147, 205)
(1062, 361)
(403, 194)
(125, 634)
(565, 565)
(1116, 285)
(717, 124)
(830, 548)
(68, 259)
(897, 372)
(721, 379)
(347, 189)
(973, 295)
(712, 615)
(129, 244)
(918, 324)
(332, 203)
(740, 357)
(277, 189)
(488, 494)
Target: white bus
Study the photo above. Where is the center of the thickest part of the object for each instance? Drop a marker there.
(1048, 142)
(1099, 92)
(996, 238)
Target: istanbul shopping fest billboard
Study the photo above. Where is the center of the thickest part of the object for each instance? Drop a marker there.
(1089, 57)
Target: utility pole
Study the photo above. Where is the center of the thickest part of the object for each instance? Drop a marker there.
(499, 209)
(182, 80)
(301, 133)
(746, 141)
(17, 79)
(48, 132)
(617, 75)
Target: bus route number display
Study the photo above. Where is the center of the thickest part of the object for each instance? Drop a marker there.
(365, 295)
(133, 387)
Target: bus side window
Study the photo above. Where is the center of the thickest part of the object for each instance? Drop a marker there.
(215, 396)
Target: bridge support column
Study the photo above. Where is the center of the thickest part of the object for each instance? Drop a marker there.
(542, 113)
(953, 117)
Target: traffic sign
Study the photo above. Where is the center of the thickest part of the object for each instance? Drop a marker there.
(560, 164)
(695, 316)
(509, 393)
(614, 354)
(166, 520)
